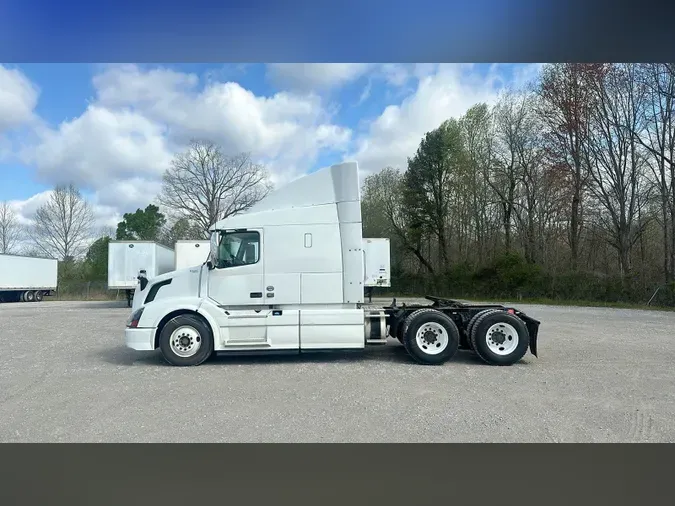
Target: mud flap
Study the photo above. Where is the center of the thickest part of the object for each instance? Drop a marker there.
(533, 330)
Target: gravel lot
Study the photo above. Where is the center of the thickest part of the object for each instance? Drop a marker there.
(604, 375)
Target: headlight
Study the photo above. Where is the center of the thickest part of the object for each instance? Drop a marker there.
(132, 322)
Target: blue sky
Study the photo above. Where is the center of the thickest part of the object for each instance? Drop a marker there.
(112, 129)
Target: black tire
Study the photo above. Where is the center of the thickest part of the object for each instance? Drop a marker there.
(29, 296)
(22, 296)
(479, 337)
(422, 317)
(473, 321)
(39, 296)
(204, 336)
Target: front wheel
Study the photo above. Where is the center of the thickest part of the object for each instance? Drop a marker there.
(186, 341)
(499, 338)
(29, 296)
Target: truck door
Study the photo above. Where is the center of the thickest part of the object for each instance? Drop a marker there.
(237, 279)
(237, 285)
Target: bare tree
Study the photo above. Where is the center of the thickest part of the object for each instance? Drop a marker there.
(566, 102)
(63, 224)
(657, 135)
(505, 172)
(526, 143)
(204, 186)
(10, 229)
(615, 162)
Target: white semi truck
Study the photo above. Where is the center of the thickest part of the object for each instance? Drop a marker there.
(288, 276)
(129, 259)
(27, 279)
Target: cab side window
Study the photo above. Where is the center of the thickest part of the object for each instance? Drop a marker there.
(238, 248)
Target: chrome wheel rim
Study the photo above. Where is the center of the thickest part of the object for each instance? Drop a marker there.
(432, 338)
(185, 341)
(502, 339)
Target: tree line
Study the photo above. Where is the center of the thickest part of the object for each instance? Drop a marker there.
(562, 189)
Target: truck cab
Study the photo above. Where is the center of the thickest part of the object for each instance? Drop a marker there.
(286, 275)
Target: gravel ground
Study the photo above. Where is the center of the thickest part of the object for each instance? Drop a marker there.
(604, 375)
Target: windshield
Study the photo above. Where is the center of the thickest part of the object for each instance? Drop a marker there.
(237, 248)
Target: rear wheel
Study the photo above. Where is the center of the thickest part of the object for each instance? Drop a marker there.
(29, 296)
(39, 296)
(186, 341)
(430, 337)
(473, 321)
(499, 338)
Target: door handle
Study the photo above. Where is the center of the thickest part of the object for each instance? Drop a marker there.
(256, 295)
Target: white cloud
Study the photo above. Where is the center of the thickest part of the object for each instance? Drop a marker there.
(285, 126)
(442, 92)
(127, 195)
(313, 76)
(18, 98)
(26, 209)
(319, 77)
(123, 85)
(100, 146)
(120, 146)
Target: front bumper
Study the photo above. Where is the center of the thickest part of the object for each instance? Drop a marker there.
(140, 339)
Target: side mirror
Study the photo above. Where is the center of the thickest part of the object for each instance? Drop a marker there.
(213, 251)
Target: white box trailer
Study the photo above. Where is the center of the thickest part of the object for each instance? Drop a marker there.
(126, 259)
(376, 264)
(287, 276)
(27, 279)
(190, 253)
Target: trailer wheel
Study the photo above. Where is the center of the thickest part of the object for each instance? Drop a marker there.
(29, 296)
(39, 295)
(186, 341)
(430, 337)
(499, 338)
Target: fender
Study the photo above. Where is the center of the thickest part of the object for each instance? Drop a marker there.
(156, 311)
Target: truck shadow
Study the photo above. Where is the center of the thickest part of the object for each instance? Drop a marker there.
(394, 353)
